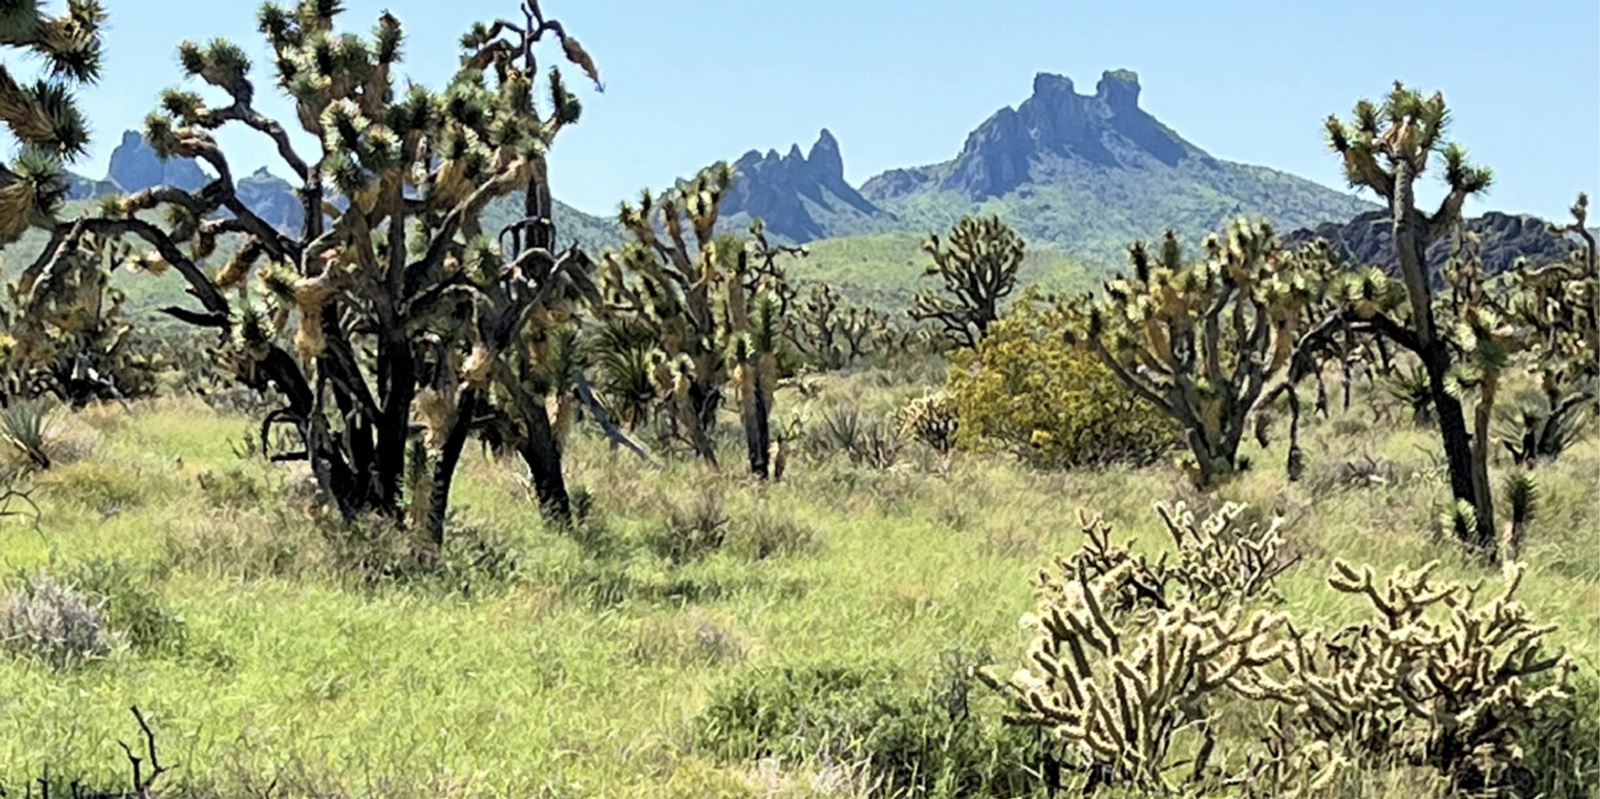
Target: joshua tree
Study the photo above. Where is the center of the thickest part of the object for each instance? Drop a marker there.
(1556, 305)
(713, 307)
(1200, 341)
(979, 268)
(42, 115)
(401, 307)
(1387, 148)
(832, 335)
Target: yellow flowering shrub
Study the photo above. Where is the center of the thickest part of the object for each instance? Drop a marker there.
(1027, 391)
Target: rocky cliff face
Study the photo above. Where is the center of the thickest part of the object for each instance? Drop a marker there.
(1054, 127)
(800, 197)
(1368, 240)
(273, 199)
(136, 167)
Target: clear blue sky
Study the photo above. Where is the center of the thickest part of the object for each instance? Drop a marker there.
(901, 82)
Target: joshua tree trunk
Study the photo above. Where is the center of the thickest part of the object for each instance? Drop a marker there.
(1466, 461)
(757, 433)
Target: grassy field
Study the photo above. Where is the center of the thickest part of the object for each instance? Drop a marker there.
(886, 269)
(555, 664)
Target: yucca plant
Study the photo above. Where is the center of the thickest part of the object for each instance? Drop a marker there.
(393, 305)
(25, 428)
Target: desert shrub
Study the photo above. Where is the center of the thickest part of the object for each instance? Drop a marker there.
(910, 742)
(867, 441)
(1027, 391)
(132, 606)
(765, 532)
(50, 621)
(692, 529)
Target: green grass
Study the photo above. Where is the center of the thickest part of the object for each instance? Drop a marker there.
(580, 674)
(886, 269)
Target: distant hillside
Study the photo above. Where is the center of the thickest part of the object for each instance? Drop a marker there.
(134, 166)
(1369, 240)
(886, 269)
(1093, 173)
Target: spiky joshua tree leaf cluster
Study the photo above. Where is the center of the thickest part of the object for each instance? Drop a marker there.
(41, 115)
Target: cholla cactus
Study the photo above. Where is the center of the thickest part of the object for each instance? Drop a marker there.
(1200, 341)
(931, 420)
(1127, 651)
(979, 269)
(714, 307)
(1452, 692)
(392, 289)
(1115, 693)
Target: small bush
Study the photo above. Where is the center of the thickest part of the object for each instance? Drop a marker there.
(132, 607)
(692, 530)
(54, 623)
(766, 532)
(1027, 391)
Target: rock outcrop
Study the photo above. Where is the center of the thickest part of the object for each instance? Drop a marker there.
(800, 197)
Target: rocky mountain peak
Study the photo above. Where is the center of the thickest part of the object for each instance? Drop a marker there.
(825, 158)
(789, 192)
(135, 167)
(1119, 90)
(1106, 129)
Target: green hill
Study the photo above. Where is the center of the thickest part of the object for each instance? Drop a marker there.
(886, 269)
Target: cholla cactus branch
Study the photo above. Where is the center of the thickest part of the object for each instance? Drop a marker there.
(1435, 677)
